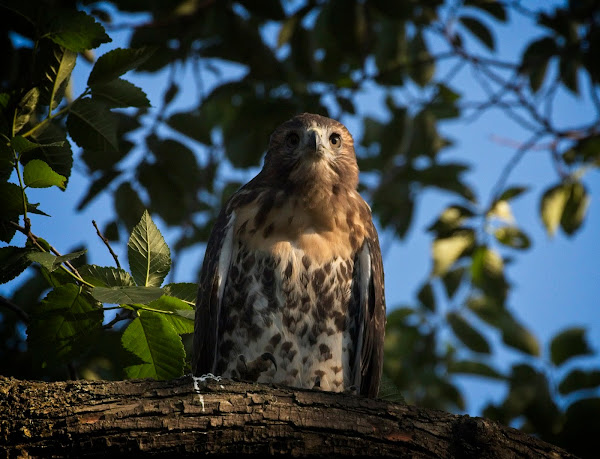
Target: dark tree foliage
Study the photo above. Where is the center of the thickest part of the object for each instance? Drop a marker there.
(313, 56)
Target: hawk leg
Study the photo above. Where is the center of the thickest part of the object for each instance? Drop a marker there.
(250, 371)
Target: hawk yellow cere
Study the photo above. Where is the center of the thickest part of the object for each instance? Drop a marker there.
(291, 289)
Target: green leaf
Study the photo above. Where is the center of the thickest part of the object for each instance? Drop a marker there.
(152, 338)
(128, 205)
(568, 344)
(37, 174)
(287, 30)
(535, 61)
(149, 255)
(183, 317)
(579, 380)
(185, 291)
(422, 66)
(13, 261)
(117, 62)
(474, 368)
(127, 294)
(92, 125)
(100, 276)
(517, 336)
(120, 93)
(25, 108)
(450, 219)
(192, 124)
(77, 31)
(479, 30)
(58, 157)
(467, 334)
(445, 251)
(492, 7)
(7, 161)
(11, 204)
(22, 145)
(512, 192)
(552, 207)
(53, 262)
(426, 296)
(512, 236)
(56, 64)
(65, 316)
(452, 280)
(575, 208)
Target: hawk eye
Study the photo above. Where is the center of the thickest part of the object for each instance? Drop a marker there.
(335, 140)
(292, 140)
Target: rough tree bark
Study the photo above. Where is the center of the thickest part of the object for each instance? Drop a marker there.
(225, 418)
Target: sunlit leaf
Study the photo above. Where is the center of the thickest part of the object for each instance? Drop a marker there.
(575, 208)
(552, 207)
(101, 276)
(127, 294)
(447, 250)
(513, 237)
(37, 174)
(149, 255)
(185, 291)
(153, 339)
(25, 109)
(182, 318)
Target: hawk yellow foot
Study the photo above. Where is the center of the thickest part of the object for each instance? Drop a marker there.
(250, 371)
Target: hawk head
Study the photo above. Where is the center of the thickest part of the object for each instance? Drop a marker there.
(312, 150)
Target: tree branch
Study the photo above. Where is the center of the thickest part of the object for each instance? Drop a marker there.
(186, 417)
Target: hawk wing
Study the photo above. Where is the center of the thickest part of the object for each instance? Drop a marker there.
(369, 304)
(213, 276)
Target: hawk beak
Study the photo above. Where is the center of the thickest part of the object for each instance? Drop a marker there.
(314, 147)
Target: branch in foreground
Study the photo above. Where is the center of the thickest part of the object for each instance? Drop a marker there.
(186, 416)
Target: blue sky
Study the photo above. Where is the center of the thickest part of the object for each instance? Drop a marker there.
(555, 284)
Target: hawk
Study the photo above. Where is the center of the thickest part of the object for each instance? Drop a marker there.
(291, 288)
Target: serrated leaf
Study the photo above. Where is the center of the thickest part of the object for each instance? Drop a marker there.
(182, 318)
(37, 174)
(479, 30)
(64, 316)
(149, 255)
(116, 63)
(127, 294)
(426, 296)
(153, 339)
(77, 31)
(445, 251)
(568, 344)
(58, 157)
(53, 262)
(22, 145)
(552, 206)
(467, 334)
(25, 108)
(11, 203)
(92, 125)
(13, 261)
(474, 368)
(120, 93)
(185, 291)
(579, 380)
(101, 276)
(58, 64)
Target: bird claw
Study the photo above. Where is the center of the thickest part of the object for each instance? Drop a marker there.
(317, 384)
(252, 370)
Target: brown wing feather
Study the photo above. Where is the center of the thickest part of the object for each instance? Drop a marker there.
(374, 319)
(208, 301)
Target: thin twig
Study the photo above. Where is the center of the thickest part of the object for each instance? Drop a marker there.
(107, 244)
(118, 318)
(13, 307)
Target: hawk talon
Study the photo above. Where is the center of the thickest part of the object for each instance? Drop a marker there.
(317, 384)
(271, 357)
(251, 371)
